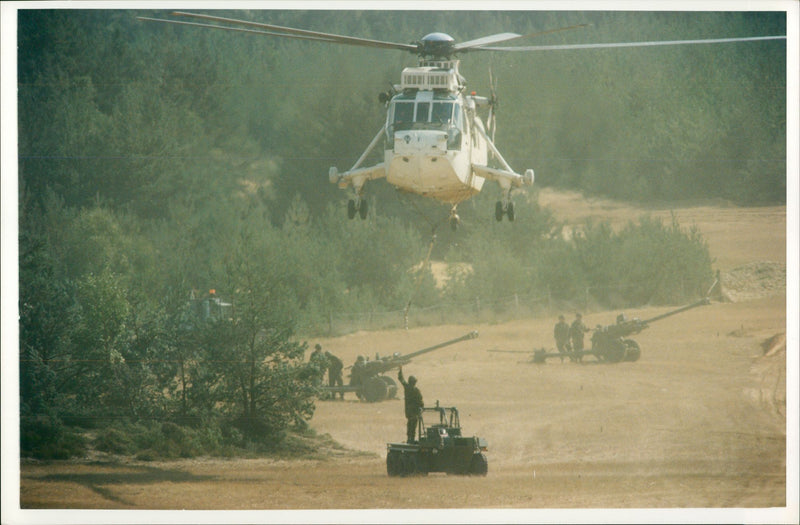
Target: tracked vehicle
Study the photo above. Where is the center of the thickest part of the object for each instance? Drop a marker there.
(440, 447)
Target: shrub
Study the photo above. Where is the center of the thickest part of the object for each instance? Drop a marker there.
(46, 437)
(114, 441)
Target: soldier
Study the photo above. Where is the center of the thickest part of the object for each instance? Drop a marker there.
(561, 334)
(335, 366)
(318, 365)
(576, 332)
(357, 373)
(413, 403)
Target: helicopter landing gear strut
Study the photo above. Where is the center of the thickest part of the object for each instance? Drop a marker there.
(357, 205)
(455, 220)
(504, 207)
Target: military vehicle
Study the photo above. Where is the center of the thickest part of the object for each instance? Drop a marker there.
(367, 380)
(610, 344)
(440, 447)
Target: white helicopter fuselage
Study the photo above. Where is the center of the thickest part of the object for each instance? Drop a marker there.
(433, 154)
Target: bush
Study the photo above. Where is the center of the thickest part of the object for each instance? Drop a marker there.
(647, 262)
(114, 441)
(44, 437)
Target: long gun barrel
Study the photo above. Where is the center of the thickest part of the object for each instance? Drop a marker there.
(472, 335)
(701, 302)
(387, 363)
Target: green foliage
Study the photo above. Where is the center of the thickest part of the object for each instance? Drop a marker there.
(114, 441)
(645, 263)
(46, 437)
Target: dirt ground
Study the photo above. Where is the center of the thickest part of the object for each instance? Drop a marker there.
(699, 422)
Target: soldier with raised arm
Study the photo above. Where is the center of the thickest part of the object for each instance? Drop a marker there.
(413, 403)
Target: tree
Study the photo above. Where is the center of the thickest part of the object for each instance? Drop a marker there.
(260, 368)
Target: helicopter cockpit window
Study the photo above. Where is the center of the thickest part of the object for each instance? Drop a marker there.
(403, 115)
(442, 113)
(423, 109)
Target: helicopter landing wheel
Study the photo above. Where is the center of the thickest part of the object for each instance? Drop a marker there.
(357, 206)
(507, 210)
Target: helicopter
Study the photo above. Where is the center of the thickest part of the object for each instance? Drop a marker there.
(435, 143)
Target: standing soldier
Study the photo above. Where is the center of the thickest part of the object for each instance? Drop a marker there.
(335, 366)
(318, 365)
(357, 374)
(413, 403)
(561, 333)
(576, 332)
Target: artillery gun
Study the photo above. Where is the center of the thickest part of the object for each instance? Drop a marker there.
(440, 447)
(367, 379)
(610, 344)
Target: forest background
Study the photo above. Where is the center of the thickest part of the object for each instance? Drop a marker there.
(158, 162)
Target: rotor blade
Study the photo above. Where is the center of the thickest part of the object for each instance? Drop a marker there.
(505, 37)
(491, 39)
(228, 28)
(302, 33)
(630, 44)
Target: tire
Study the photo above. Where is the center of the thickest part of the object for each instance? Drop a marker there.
(394, 463)
(614, 351)
(632, 350)
(374, 389)
(412, 465)
(498, 211)
(351, 209)
(391, 387)
(362, 209)
(479, 465)
(510, 211)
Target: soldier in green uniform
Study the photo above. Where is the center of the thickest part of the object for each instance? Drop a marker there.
(561, 334)
(576, 332)
(413, 404)
(318, 364)
(357, 374)
(335, 366)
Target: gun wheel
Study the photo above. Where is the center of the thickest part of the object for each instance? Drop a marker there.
(632, 350)
(391, 387)
(375, 389)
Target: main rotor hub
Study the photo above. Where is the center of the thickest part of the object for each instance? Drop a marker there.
(437, 45)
